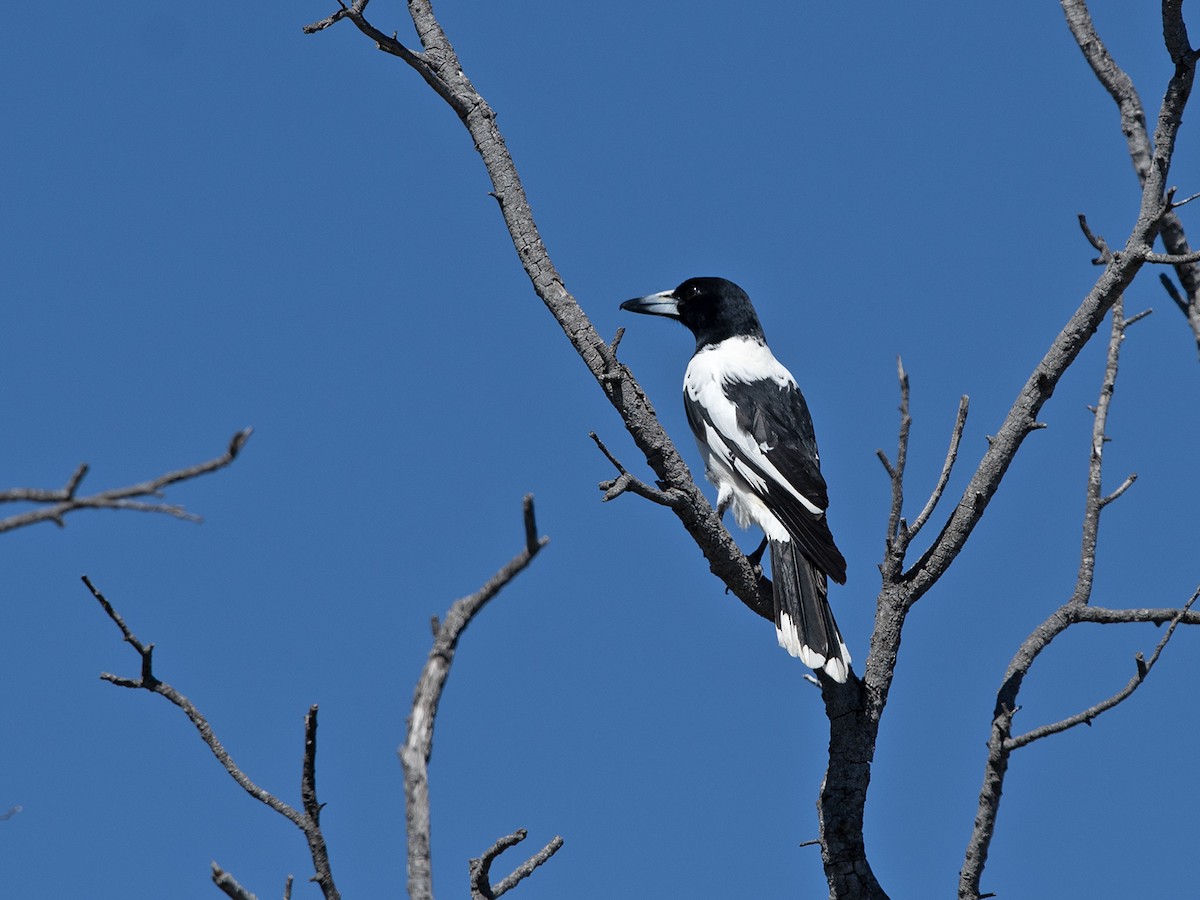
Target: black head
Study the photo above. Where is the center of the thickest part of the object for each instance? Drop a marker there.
(713, 308)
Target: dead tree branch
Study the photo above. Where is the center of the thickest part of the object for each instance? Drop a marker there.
(1143, 667)
(308, 821)
(418, 745)
(1141, 150)
(956, 433)
(899, 533)
(1001, 743)
(480, 869)
(440, 67)
(229, 886)
(57, 503)
(897, 528)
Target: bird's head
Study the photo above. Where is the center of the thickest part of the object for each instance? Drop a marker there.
(712, 308)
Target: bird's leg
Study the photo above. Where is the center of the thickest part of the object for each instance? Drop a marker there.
(755, 560)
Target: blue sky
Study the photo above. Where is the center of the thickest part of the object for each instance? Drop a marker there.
(213, 221)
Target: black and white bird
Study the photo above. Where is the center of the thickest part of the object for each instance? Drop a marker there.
(759, 448)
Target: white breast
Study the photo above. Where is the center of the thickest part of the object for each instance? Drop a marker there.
(710, 370)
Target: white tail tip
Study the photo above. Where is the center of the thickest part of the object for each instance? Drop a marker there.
(789, 639)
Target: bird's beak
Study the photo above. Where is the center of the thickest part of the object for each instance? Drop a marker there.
(662, 304)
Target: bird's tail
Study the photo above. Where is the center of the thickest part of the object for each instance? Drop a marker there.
(803, 619)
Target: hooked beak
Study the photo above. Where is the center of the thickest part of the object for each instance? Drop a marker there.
(661, 304)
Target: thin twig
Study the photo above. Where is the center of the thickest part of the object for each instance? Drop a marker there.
(480, 869)
(1173, 259)
(625, 481)
(65, 500)
(1186, 200)
(1173, 292)
(616, 341)
(1142, 670)
(1094, 501)
(523, 871)
(960, 423)
(229, 885)
(1103, 615)
(887, 463)
(895, 531)
(312, 808)
(1121, 489)
(1097, 242)
(390, 44)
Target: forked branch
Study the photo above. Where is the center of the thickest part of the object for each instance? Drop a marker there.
(480, 869)
(1141, 152)
(899, 532)
(57, 503)
(1142, 668)
(1002, 743)
(418, 745)
(1119, 271)
(308, 821)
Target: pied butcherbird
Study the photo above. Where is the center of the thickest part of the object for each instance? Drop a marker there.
(759, 448)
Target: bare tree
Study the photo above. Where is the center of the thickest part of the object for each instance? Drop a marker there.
(855, 710)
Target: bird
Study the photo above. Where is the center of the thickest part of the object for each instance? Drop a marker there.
(756, 435)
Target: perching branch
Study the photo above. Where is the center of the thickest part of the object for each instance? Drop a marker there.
(57, 503)
(308, 821)
(439, 65)
(418, 745)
